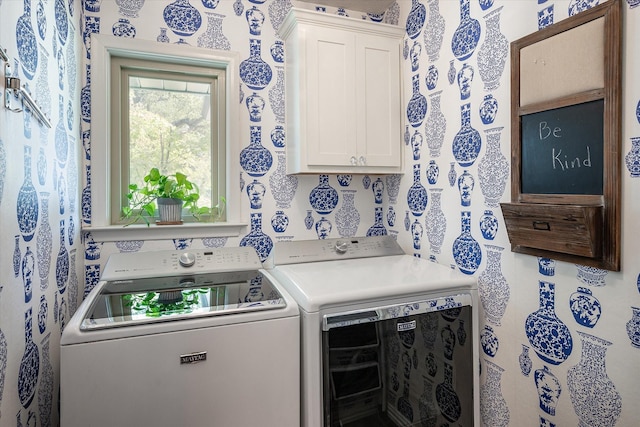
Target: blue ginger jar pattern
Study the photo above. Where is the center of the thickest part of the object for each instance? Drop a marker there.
(17, 257)
(434, 31)
(467, 34)
(261, 242)
(255, 105)
(435, 125)
(378, 228)
(493, 287)
(549, 389)
(546, 266)
(415, 19)
(466, 250)
(277, 51)
(344, 180)
(378, 191)
(465, 79)
(279, 222)
(278, 136)
(255, 20)
(62, 140)
(416, 234)
(414, 56)
(632, 326)
(27, 267)
(323, 228)
(446, 396)
(43, 310)
(416, 144)
(494, 411)
(182, 18)
(489, 225)
(27, 42)
(210, 4)
(417, 105)
(595, 399)
(27, 204)
(431, 79)
(436, 221)
(585, 307)
(29, 365)
(433, 172)
(466, 183)
(427, 405)
(391, 216)
(632, 158)
(366, 182)
(254, 72)
(323, 198)
(123, 28)
(256, 191)
(489, 341)
(308, 220)
(592, 276)
(492, 55)
(417, 195)
(467, 142)
(493, 169)
(255, 159)
(404, 406)
(488, 109)
(547, 334)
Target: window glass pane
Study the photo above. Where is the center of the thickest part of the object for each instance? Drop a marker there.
(170, 128)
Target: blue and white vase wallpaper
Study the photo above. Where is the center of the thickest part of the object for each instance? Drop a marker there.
(49, 48)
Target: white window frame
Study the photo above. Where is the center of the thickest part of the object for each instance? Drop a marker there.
(103, 48)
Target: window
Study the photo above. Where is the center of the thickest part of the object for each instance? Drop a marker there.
(165, 106)
(171, 117)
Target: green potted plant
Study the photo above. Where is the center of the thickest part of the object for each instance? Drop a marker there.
(171, 193)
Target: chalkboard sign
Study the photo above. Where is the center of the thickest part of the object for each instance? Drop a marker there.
(562, 150)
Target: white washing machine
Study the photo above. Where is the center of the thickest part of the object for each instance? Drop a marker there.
(387, 339)
(196, 338)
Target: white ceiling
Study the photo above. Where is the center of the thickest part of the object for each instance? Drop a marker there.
(371, 6)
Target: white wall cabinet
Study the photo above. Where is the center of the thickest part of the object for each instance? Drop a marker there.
(343, 94)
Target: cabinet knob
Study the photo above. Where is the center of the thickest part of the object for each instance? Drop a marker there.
(354, 161)
(363, 161)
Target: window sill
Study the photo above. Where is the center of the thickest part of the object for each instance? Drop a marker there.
(115, 233)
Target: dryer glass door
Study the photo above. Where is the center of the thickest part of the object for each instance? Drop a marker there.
(400, 365)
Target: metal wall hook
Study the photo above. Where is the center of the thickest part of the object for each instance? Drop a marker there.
(12, 87)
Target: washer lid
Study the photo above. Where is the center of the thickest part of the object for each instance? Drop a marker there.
(159, 299)
(318, 285)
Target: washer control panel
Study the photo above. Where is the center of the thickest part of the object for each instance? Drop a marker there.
(300, 251)
(170, 263)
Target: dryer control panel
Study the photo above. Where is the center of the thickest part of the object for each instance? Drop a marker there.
(301, 251)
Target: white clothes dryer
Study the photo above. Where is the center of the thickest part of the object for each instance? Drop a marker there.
(388, 339)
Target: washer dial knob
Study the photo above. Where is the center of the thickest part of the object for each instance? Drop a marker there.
(187, 259)
(341, 247)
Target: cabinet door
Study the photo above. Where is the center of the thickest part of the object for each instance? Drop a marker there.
(379, 109)
(330, 82)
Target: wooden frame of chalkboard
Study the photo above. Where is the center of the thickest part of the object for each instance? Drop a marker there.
(565, 140)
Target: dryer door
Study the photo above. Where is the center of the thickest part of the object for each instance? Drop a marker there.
(408, 364)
